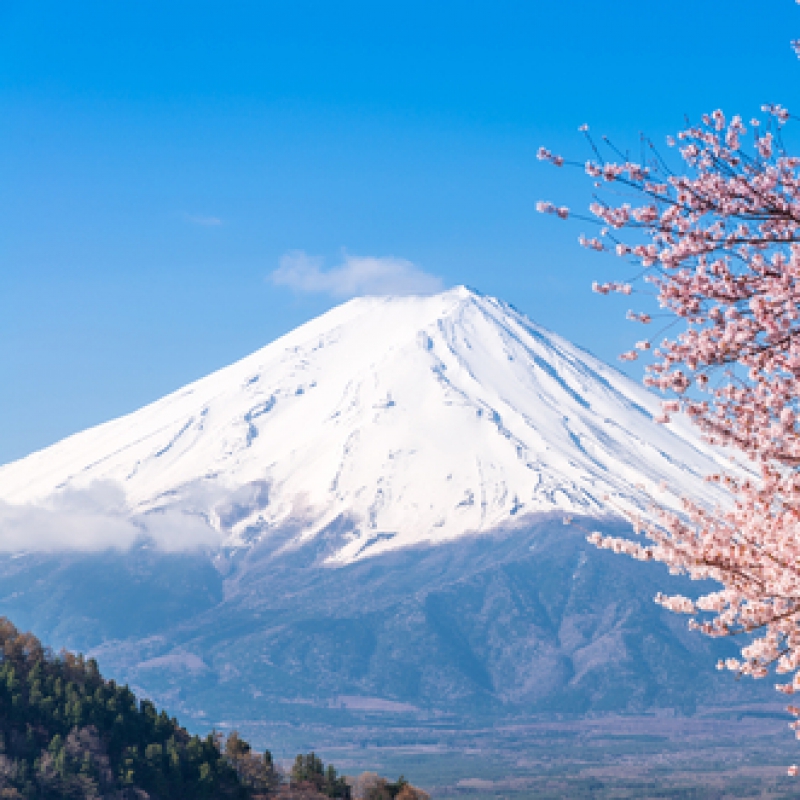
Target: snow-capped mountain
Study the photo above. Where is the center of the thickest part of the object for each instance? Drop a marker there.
(384, 423)
(397, 421)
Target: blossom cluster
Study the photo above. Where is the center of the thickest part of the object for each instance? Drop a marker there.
(719, 241)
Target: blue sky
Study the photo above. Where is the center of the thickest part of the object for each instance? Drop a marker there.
(159, 161)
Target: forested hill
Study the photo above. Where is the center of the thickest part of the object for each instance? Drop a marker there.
(67, 732)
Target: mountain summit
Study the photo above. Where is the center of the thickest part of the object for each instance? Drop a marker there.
(386, 422)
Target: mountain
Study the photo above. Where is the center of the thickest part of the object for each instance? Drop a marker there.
(378, 500)
(385, 423)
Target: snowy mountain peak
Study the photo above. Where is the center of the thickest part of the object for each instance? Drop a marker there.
(386, 422)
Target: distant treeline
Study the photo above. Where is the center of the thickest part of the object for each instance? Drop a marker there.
(66, 732)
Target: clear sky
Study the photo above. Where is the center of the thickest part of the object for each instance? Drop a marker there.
(160, 161)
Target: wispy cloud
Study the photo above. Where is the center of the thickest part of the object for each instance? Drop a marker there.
(356, 275)
(206, 222)
(94, 519)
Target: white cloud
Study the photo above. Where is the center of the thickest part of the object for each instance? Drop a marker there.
(97, 518)
(356, 275)
(174, 531)
(206, 222)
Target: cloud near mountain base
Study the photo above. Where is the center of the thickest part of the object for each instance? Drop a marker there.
(355, 276)
(96, 518)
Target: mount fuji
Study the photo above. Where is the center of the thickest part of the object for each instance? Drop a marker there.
(390, 422)
(361, 524)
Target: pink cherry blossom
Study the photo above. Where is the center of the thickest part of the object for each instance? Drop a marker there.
(718, 241)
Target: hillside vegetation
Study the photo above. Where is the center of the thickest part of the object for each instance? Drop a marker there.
(66, 732)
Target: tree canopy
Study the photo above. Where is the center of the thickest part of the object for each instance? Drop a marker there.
(65, 731)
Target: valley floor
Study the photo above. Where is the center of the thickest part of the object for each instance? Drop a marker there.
(729, 755)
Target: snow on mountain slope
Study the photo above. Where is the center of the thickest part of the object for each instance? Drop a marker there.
(401, 420)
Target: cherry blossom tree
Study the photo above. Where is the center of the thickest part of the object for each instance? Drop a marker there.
(718, 240)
